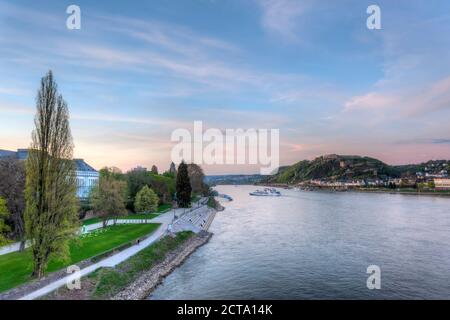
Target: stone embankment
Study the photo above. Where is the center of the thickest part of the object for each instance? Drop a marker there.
(150, 279)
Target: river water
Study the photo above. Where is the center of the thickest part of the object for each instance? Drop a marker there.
(318, 245)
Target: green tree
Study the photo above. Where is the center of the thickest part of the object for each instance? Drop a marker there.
(112, 172)
(108, 198)
(4, 228)
(51, 217)
(154, 169)
(12, 187)
(146, 200)
(136, 179)
(162, 185)
(183, 186)
(197, 177)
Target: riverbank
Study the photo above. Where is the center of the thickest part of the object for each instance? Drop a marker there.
(16, 267)
(362, 190)
(137, 277)
(149, 280)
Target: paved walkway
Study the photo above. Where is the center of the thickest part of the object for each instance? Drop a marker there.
(195, 221)
(165, 219)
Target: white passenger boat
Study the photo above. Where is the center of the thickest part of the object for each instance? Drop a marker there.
(267, 192)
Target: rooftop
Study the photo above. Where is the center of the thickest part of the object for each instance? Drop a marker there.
(21, 154)
(81, 165)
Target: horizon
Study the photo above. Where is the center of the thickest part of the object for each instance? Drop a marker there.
(255, 173)
(136, 72)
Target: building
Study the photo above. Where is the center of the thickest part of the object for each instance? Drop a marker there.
(442, 183)
(86, 176)
(20, 154)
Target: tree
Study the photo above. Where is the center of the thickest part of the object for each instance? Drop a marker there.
(136, 179)
(108, 198)
(146, 200)
(183, 186)
(154, 169)
(172, 172)
(51, 217)
(4, 214)
(173, 168)
(112, 172)
(12, 187)
(162, 185)
(197, 177)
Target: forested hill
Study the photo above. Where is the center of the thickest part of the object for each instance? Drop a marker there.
(335, 167)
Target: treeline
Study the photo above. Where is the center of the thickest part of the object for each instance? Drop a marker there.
(142, 191)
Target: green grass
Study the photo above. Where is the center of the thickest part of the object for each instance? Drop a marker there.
(110, 281)
(161, 209)
(16, 267)
(164, 208)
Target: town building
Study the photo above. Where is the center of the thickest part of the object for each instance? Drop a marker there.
(86, 176)
(442, 183)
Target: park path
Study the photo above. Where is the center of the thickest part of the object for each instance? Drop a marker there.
(165, 219)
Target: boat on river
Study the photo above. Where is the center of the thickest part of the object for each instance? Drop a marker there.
(267, 192)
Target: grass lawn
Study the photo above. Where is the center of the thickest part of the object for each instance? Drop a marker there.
(110, 281)
(161, 209)
(164, 208)
(16, 267)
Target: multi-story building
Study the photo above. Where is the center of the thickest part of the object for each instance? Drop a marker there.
(86, 176)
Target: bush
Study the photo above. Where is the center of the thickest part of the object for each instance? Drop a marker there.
(146, 200)
(212, 202)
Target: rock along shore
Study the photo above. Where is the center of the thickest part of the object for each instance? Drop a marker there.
(141, 288)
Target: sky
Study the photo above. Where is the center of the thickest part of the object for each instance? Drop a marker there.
(138, 70)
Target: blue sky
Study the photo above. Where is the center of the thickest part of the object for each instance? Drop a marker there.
(138, 70)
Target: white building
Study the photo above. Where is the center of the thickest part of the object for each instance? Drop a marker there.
(86, 176)
(442, 183)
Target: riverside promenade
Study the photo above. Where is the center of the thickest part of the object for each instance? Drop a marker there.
(169, 223)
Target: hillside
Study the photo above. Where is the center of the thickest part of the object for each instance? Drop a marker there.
(233, 179)
(335, 167)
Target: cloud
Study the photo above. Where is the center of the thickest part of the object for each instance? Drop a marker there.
(13, 108)
(164, 35)
(15, 91)
(370, 101)
(154, 121)
(441, 141)
(281, 17)
(409, 103)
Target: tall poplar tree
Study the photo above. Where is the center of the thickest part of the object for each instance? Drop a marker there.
(51, 218)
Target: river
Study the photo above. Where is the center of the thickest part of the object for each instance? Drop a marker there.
(318, 245)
